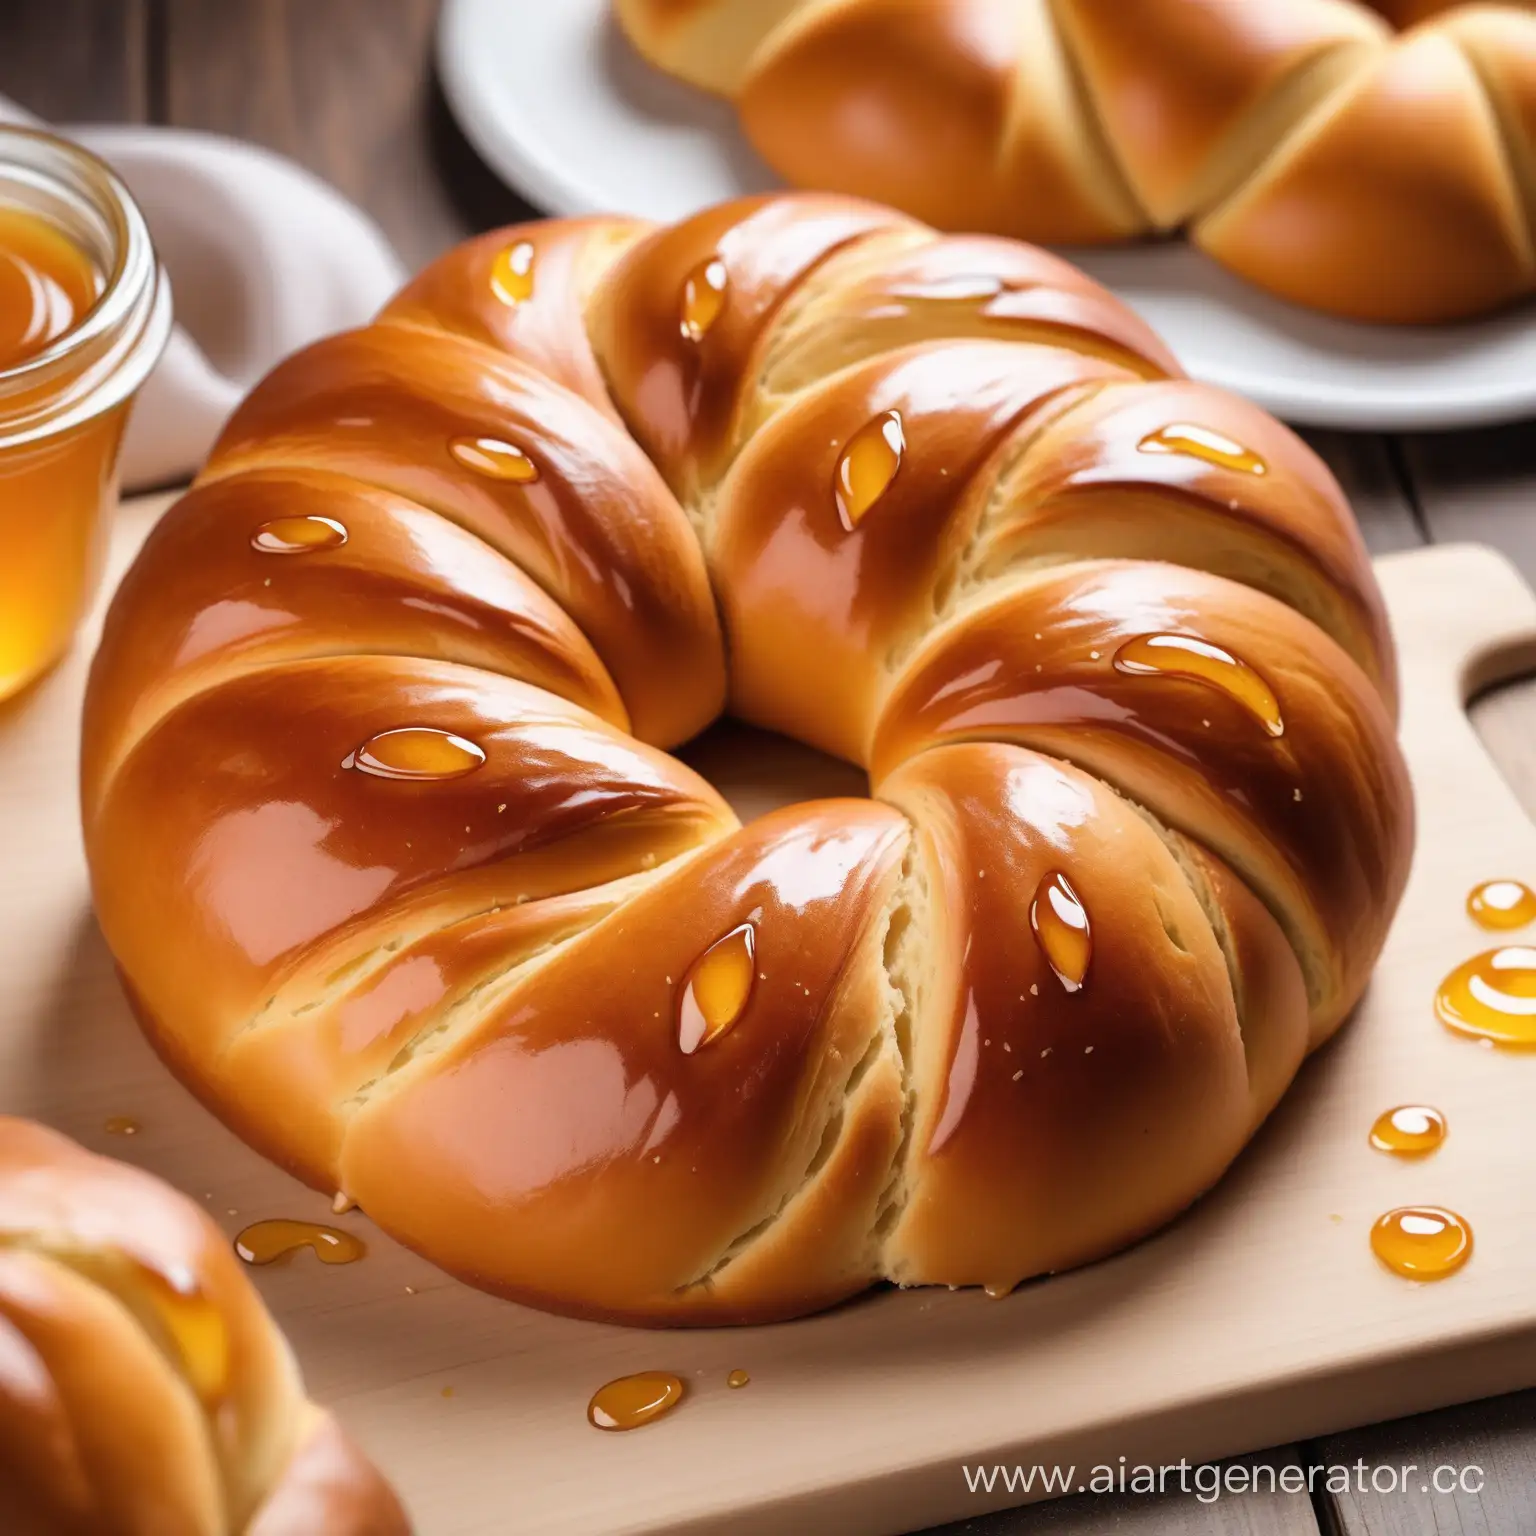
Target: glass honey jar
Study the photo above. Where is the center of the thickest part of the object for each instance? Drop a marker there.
(84, 313)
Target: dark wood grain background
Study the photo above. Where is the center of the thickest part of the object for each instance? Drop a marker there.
(346, 88)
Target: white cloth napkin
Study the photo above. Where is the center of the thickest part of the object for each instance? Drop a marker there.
(263, 258)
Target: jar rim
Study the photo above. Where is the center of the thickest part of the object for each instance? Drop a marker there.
(127, 326)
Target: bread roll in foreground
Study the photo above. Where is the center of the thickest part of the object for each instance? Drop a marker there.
(1304, 144)
(144, 1390)
(405, 886)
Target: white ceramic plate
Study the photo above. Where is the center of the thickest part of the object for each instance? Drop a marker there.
(552, 96)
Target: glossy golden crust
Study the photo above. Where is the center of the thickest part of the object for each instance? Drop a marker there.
(1190, 91)
(595, 528)
(1045, 1135)
(911, 286)
(813, 609)
(686, 398)
(1501, 44)
(1328, 219)
(525, 989)
(1228, 490)
(283, 858)
(570, 1149)
(476, 291)
(1285, 767)
(143, 1388)
(1015, 456)
(937, 92)
(406, 582)
(1303, 144)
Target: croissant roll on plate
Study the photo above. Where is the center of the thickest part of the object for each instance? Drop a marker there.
(1325, 220)
(402, 884)
(967, 114)
(1306, 145)
(143, 1387)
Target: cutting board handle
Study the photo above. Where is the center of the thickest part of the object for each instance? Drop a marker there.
(1464, 619)
(1474, 620)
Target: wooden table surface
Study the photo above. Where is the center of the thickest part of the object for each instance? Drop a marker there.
(346, 87)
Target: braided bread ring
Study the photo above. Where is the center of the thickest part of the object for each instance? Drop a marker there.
(404, 887)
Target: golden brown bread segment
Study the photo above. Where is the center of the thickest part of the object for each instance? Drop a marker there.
(1302, 143)
(1046, 1136)
(396, 891)
(592, 1158)
(144, 1390)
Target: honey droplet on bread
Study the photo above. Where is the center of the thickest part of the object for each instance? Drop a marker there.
(1410, 1130)
(298, 535)
(193, 1325)
(703, 298)
(1422, 1242)
(416, 752)
(1502, 904)
(1202, 662)
(868, 465)
(512, 273)
(265, 1242)
(1203, 443)
(494, 459)
(1060, 924)
(122, 1125)
(716, 990)
(632, 1401)
(1492, 997)
(737, 1378)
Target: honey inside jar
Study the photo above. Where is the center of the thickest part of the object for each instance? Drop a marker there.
(83, 316)
(47, 285)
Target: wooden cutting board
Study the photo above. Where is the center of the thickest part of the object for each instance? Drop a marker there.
(1260, 1318)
